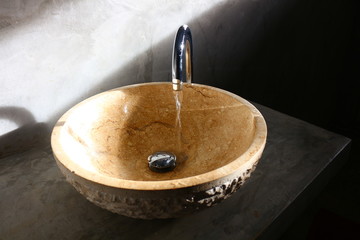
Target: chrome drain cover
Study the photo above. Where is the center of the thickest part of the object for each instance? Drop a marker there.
(162, 161)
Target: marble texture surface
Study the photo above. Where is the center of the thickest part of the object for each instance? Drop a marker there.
(102, 145)
(37, 203)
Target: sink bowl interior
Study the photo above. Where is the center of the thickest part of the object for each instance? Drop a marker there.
(108, 138)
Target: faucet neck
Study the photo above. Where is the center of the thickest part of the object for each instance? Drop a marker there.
(182, 58)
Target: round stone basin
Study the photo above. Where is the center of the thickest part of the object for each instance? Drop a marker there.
(102, 145)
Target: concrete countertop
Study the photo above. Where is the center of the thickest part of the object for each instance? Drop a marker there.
(37, 203)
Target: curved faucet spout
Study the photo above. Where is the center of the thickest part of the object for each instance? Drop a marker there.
(182, 58)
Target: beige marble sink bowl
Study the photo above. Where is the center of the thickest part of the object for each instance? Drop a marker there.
(102, 144)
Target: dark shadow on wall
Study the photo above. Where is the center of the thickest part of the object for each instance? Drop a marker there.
(303, 65)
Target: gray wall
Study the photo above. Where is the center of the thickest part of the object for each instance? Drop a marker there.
(295, 56)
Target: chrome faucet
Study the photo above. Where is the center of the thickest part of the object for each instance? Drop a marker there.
(182, 58)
